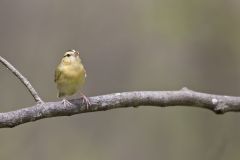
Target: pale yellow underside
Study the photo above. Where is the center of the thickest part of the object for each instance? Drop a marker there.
(69, 78)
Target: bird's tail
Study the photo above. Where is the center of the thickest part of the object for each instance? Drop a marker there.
(60, 94)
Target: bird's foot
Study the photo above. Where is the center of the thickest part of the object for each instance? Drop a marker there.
(66, 103)
(86, 101)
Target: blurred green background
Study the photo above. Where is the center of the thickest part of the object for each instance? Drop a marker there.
(125, 45)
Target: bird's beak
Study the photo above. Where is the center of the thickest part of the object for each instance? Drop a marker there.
(76, 53)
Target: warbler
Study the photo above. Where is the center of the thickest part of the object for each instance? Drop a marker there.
(70, 76)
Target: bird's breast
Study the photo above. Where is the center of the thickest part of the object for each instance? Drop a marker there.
(73, 74)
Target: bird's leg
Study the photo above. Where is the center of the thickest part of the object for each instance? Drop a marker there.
(85, 100)
(66, 102)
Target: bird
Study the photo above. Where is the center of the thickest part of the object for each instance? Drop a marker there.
(70, 76)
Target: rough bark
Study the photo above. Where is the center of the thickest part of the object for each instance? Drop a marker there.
(216, 103)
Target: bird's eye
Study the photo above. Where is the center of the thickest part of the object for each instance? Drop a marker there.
(67, 55)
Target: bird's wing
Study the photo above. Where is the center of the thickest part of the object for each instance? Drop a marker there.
(57, 74)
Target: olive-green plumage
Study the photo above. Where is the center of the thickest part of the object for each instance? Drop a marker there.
(70, 74)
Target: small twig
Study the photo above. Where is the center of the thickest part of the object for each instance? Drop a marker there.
(216, 103)
(22, 79)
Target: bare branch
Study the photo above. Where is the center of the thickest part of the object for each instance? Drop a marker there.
(185, 97)
(22, 79)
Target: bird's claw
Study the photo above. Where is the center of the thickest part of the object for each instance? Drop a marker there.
(86, 101)
(66, 102)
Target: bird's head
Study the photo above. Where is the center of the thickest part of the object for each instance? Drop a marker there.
(70, 57)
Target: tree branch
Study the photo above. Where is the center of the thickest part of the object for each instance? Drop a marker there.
(22, 79)
(185, 97)
(216, 103)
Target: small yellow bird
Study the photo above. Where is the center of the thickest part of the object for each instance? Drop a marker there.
(70, 76)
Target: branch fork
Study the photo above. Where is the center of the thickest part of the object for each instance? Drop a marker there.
(24, 80)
